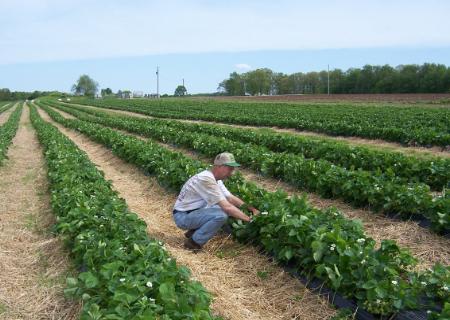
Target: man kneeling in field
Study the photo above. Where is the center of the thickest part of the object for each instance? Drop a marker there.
(204, 203)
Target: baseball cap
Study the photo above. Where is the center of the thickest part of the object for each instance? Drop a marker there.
(225, 159)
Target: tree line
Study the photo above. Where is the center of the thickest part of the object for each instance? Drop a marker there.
(8, 95)
(411, 78)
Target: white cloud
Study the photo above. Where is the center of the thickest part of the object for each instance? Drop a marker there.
(243, 66)
(47, 30)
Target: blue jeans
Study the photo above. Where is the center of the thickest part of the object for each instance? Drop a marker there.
(207, 221)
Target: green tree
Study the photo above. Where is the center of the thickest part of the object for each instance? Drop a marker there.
(85, 86)
(259, 81)
(106, 92)
(180, 91)
(427, 78)
(5, 94)
(234, 85)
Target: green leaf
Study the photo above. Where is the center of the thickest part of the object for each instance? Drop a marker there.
(89, 280)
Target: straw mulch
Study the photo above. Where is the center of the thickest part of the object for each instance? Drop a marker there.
(244, 283)
(33, 263)
(428, 247)
(373, 143)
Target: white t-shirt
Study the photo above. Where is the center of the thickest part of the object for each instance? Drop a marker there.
(201, 191)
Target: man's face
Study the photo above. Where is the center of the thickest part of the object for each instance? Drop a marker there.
(226, 172)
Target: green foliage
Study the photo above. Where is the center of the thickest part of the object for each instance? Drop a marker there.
(343, 314)
(426, 78)
(7, 95)
(433, 171)
(86, 86)
(318, 243)
(409, 125)
(128, 275)
(5, 106)
(381, 191)
(8, 130)
(106, 92)
(180, 91)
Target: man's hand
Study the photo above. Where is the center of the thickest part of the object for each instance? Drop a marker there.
(254, 211)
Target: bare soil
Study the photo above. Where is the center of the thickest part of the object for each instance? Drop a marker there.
(230, 271)
(4, 116)
(33, 263)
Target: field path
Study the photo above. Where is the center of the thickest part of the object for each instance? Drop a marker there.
(371, 143)
(4, 116)
(427, 246)
(32, 262)
(227, 269)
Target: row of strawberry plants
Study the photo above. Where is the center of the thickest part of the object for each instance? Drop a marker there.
(8, 131)
(317, 243)
(359, 187)
(410, 125)
(5, 106)
(128, 275)
(434, 171)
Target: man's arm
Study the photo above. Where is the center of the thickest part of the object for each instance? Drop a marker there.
(237, 202)
(233, 211)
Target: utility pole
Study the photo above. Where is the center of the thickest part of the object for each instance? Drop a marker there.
(328, 80)
(157, 82)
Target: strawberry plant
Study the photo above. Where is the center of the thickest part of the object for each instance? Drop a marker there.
(317, 243)
(8, 131)
(126, 274)
(5, 106)
(360, 188)
(410, 125)
(433, 171)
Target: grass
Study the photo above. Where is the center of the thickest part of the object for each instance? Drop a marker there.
(3, 308)
(228, 252)
(29, 176)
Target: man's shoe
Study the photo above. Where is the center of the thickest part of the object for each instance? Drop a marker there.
(192, 245)
(189, 233)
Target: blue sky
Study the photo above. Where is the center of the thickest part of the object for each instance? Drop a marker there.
(47, 44)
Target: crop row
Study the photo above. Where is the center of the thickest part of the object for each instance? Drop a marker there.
(360, 188)
(5, 106)
(8, 131)
(127, 275)
(317, 243)
(410, 125)
(433, 171)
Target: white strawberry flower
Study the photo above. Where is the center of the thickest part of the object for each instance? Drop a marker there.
(149, 284)
(394, 282)
(361, 240)
(122, 279)
(264, 213)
